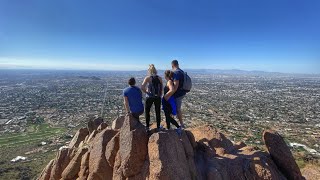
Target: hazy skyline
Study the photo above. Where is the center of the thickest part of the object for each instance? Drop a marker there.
(277, 36)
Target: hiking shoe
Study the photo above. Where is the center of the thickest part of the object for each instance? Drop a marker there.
(179, 131)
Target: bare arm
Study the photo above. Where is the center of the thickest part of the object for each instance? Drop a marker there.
(126, 104)
(176, 85)
(171, 90)
(143, 86)
(161, 85)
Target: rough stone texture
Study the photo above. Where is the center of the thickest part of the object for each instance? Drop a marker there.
(60, 163)
(281, 155)
(133, 146)
(199, 153)
(98, 165)
(71, 171)
(102, 126)
(117, 123)
(84, 167)
(91, 136)
(93, 124)
(78, 137)
(311, 172)
(112, 149)
(167, 157)
(45, 174)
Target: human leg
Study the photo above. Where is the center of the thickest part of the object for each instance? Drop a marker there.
(148, 105)
(179, 112)
(157, 106)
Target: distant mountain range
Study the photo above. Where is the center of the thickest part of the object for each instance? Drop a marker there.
(193, 71)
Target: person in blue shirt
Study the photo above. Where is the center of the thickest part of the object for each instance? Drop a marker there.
(178, 92)
(132, 97)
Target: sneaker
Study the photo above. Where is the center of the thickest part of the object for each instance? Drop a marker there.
(179, 131)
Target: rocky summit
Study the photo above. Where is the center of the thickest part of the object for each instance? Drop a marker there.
(126, 151)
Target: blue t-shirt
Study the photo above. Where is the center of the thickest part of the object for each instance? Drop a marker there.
(178, 75)
(134, 95)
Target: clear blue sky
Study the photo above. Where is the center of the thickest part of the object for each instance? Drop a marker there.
(269, 35)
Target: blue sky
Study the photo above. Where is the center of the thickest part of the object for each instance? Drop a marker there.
(269, 35)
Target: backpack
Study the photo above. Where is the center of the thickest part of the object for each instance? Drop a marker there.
(187, 83)
(155, 88)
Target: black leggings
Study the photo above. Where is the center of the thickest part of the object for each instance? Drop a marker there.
(167, 111)
(157, 105)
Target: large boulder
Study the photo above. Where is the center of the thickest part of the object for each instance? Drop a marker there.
(99, 167)
(45, 174)
(112, 149)
(281, 155)
(167, 157)
(60, 163)
(117, 123)
(84, 167)
(93, 124)
(78, 137)
(201, 153)
(71, 171)
(133, 146)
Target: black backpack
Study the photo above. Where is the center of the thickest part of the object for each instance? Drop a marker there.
(155, 88)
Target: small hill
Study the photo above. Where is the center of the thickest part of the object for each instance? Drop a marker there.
(126, 151)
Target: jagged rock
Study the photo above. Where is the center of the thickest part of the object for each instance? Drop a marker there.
(45, 174)
(281, 155)
(112, 149)
(98, 165)
(71, 171)
(84, 167)
(93, 124)
(78, 137)
(91, 136)
(133, 146)
(102, 126)
(167, 157)
(201, 153)
(117, 123)
(60, 163)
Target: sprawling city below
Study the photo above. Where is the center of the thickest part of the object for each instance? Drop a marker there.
(40, 109)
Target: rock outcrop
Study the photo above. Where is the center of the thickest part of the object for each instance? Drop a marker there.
(126, 151)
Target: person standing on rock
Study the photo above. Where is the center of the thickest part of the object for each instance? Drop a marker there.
(178, 91)
(132, 96)
(169, 105)
(152, 86)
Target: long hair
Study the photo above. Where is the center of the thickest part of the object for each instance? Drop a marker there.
(152, 70)
(168, 74)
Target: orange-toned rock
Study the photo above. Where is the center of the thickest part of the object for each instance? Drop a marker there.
(112, 149)
(78, 137)
(281, 155)
(71, 171)
(84, 167)
(102, 126)
(98, 165)
(167, 157)
(117, 123)
(45, 174)
(60, 163)
(93, 124)
(133, 146)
